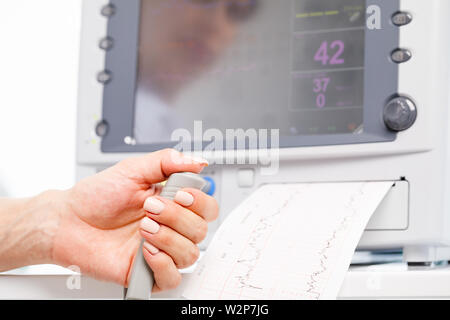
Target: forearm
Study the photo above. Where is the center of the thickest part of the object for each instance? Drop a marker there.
(27, 229)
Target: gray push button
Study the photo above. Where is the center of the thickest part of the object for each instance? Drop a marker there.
(401, 18)
(400, 114)
(106, 43)
(101, 129)
(104, 77)
(108, 10)
(246, 178)
(401, 55)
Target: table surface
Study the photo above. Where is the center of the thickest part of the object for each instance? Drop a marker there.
(383, 281)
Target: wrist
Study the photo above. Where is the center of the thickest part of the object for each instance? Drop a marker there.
(48, 207)
(27, 229)
(42, 215)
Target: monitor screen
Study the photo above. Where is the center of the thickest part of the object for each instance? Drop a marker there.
(297, 66)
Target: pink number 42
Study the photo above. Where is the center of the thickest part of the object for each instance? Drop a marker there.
(322, 54)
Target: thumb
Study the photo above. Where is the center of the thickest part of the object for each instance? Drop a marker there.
(158, 166)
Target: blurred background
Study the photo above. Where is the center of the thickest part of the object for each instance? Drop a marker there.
(38, 94)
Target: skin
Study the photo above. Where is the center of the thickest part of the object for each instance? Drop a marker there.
(180, 42)
(96, 224)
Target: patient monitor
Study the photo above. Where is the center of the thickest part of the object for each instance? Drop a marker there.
(333, 90)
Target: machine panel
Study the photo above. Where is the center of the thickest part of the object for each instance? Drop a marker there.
(314, 69)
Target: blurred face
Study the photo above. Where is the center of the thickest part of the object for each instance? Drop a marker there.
(181, 38)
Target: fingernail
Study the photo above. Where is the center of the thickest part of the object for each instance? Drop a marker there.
(184, 198)
(154, 205)
(201, 161)
(149, 225)
(153, 250)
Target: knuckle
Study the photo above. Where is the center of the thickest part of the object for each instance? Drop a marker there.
(194, 254)
(170, 153)
(164, 265)
(172, 150)
(160, 266)
(175, 281)
(212, 210)
(167, 151)
(202, 231)
(164, 238)
(190, 257)
(215, 210)
(170, 216)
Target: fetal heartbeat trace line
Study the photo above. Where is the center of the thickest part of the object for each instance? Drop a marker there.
(261, 252)
(314, 277)
(264, 224)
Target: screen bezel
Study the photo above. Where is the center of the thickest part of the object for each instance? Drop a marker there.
(380, 83)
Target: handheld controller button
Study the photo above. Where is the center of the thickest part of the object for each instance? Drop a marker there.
(210, 187)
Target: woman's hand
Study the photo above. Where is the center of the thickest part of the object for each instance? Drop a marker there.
(102, 219)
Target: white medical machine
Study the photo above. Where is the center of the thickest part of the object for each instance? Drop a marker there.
(357, 88)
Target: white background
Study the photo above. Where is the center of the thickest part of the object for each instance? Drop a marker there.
(39, 46)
